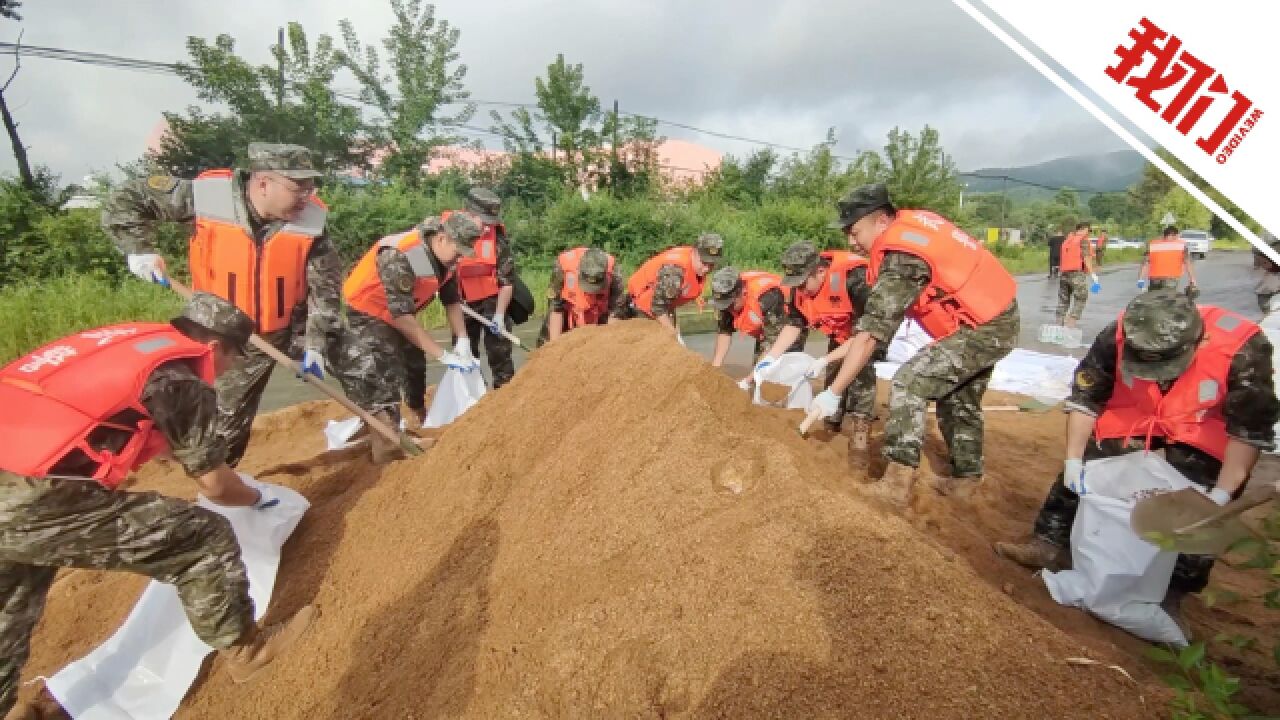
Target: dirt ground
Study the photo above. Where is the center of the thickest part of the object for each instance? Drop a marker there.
(620, 533)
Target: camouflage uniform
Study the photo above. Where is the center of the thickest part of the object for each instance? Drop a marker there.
(48, 523)
(377, 365)
(129, 216)
(953, 372)
(1267, 284)
(859, 399)
(773, 314)
(1250, 409)
(617, 302)
(483, 206)
(670, 281)
(1073, 293)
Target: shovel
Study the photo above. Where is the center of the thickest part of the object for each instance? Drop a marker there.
(485, 321)
(1189, 522)
(406, 444)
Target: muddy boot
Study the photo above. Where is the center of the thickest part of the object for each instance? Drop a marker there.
(895, 487)
(417, 416)
(859, 441)
(260, 646)
(1039, 554)
(948, 485)
(382, 450)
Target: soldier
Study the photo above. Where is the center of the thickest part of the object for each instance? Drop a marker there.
(830, 294)
(1267, 274)
(923, 267)
(1076, 266)
(1055, 252)
(78, 416)
(672, 278)
(259, 243)
(753, 303)
(1142, 386)
(487, 283)
(1164, 263)
(385, 355)
(585, 289)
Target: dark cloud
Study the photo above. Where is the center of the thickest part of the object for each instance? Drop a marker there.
(783, 72)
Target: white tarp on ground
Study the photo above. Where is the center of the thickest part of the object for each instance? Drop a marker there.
(1116, 575)
(1040, 375)
(145, 669)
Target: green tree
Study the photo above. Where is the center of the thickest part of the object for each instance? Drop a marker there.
(917, 172)
(1113, 207)
(1067, 198)
(425, 77)
(305, 110)
(1187, 211)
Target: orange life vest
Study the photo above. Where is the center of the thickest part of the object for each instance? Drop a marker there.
(1102, 240)
(478, 276)
(1072, 257)
(642, 281)
(55, 398)
(1165, 258)
(265, 282)
(831, 310)
(363, 288)
(1191, 412)
(967, 284)
(584, 308)
(750, 319)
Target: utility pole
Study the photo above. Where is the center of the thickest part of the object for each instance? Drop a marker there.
(1004, 185)
(553, 146)
(280, 85)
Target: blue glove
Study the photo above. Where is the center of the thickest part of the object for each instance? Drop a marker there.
(264, 502)
(312, 364)
(1142, 284)
(1096, 287)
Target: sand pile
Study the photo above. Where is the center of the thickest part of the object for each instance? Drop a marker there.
(619, 533)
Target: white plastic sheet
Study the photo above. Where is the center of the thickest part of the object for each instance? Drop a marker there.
(789, 371)
(1040, 375)
(455, 394)
(145, 669)
(1116, 575)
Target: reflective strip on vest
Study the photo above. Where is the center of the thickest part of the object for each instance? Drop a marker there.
(214, 198)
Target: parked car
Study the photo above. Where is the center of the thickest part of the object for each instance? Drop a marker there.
(1199, 242)
(1119, 243)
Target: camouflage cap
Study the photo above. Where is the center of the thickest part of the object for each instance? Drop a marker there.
(726, 286)
(291, 161)
(593, 270)
(860, 202)
(710, 248)
(798, 263)
(463, 231)
(1161, 331)
(484, 204)
(216, 315)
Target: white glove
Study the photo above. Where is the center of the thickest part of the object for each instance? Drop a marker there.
(462, 346)
(765, 363)
(265, 501)
(745, 384)
(680, 339)
(827, 402)
(815, 368)
(1219, 496)
(497, 324)
(149, 267)
(1073, 475)
(454, 361)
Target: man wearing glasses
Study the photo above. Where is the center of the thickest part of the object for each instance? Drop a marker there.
(259, 243)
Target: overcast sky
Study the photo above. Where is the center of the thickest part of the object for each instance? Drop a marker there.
(781, 72)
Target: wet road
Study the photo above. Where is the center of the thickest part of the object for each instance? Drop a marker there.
(1224, 277)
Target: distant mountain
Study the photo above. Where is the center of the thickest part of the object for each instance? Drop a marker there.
(1105, 172)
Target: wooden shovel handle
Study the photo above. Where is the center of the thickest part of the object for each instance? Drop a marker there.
(377, 425)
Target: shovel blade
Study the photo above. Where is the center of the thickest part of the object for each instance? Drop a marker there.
(1159, 518)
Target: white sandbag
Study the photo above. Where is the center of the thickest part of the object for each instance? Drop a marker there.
(907, 341)
(145, 669)
(789, 371)
(1117, 576)
(455, 394)
(1042, 376)
(341, 434)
